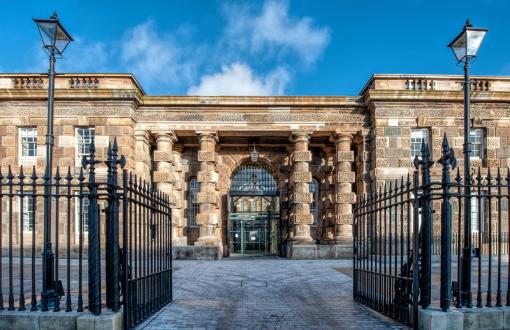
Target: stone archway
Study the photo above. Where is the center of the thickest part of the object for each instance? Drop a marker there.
(253, 211)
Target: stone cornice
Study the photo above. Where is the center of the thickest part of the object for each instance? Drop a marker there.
(251, 101)
(434, 95)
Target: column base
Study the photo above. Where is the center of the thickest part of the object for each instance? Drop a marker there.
(197, 252)
(301, 251)
(179, 241)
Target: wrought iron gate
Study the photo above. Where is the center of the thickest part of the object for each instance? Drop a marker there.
(385, 250)
(147, 250)
(393, 231)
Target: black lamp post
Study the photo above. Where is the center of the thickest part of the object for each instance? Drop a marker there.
(465, 48)
(55, 40)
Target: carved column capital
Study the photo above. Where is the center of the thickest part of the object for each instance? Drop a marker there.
(211, 136)
(143, 135)
(167, 136)
(341, 137)
(300, 136)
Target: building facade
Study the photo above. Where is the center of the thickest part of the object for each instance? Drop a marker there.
(253, 175)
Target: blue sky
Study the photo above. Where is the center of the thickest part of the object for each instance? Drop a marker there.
(269, 47)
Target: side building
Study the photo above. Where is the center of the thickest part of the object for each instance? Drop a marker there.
(251, 175)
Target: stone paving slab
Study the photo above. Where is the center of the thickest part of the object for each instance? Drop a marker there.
(265, 293)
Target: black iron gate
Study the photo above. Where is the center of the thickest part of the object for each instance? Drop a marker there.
(385, 249)
(147, 250)
(138, 265)
(393, 231)
(143, 266)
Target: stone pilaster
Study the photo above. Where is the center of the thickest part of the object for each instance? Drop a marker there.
(300, 178)
(207, 197)
(163, 176)
(143, 157)
(344, 196)
(178, 195)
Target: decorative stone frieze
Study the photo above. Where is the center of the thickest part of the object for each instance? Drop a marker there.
(302, 156)
(405, 162)
(382, 162)
(207, 176)
(302, 197)
(345, 156)
(343, 219)
(207, 197)
(349, 176)
(345, 198)
(493, 142)
(163, 156)
(405, 142)
(382, 142)
(206, 156)
(302, 219)
(163, 176)
(302, 177)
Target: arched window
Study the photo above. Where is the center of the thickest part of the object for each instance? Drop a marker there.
(314, 189)
(193, 189)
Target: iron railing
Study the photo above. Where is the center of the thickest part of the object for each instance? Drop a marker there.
(112, 240)
(399, 228)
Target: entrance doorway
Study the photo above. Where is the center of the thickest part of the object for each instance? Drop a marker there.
(254, 212)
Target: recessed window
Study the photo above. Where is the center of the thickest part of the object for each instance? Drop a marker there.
(27, 214)
(84, 137)
(476, 139)
(82, 210)
(28, 142)
(314, 189)
(193, 189)
(477, 214)
(418, 135)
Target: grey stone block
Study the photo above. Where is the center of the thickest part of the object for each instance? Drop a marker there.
(435, 319)
(506, 317)
(302, 251)
(182, 252)
(207, 252)
(393, 131)
(490, 318)
(86, 322)
(107, 320)
(15, 320)
(343, 251)
(325, 251)
(58, 321)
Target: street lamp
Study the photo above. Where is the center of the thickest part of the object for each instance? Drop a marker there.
(55, 40)
(254, 154)
(465, 48)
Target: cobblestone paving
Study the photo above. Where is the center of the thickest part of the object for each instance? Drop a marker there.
(265, 293)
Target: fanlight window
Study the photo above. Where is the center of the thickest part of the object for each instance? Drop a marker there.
(253, 179)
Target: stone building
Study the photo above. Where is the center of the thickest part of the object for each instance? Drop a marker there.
(249, 174)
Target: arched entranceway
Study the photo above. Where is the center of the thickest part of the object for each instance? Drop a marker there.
(253, 212)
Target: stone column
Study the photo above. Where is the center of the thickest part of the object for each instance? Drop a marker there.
(178, 196)
(207, 197)
(163, 175)
(328, 192)
(345, 177)
(301, 197)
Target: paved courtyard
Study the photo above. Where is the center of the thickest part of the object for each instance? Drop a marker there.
(265, 293)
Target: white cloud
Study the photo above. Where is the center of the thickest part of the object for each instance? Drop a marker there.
(155, 58)
(239, 79)
(272, 31)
